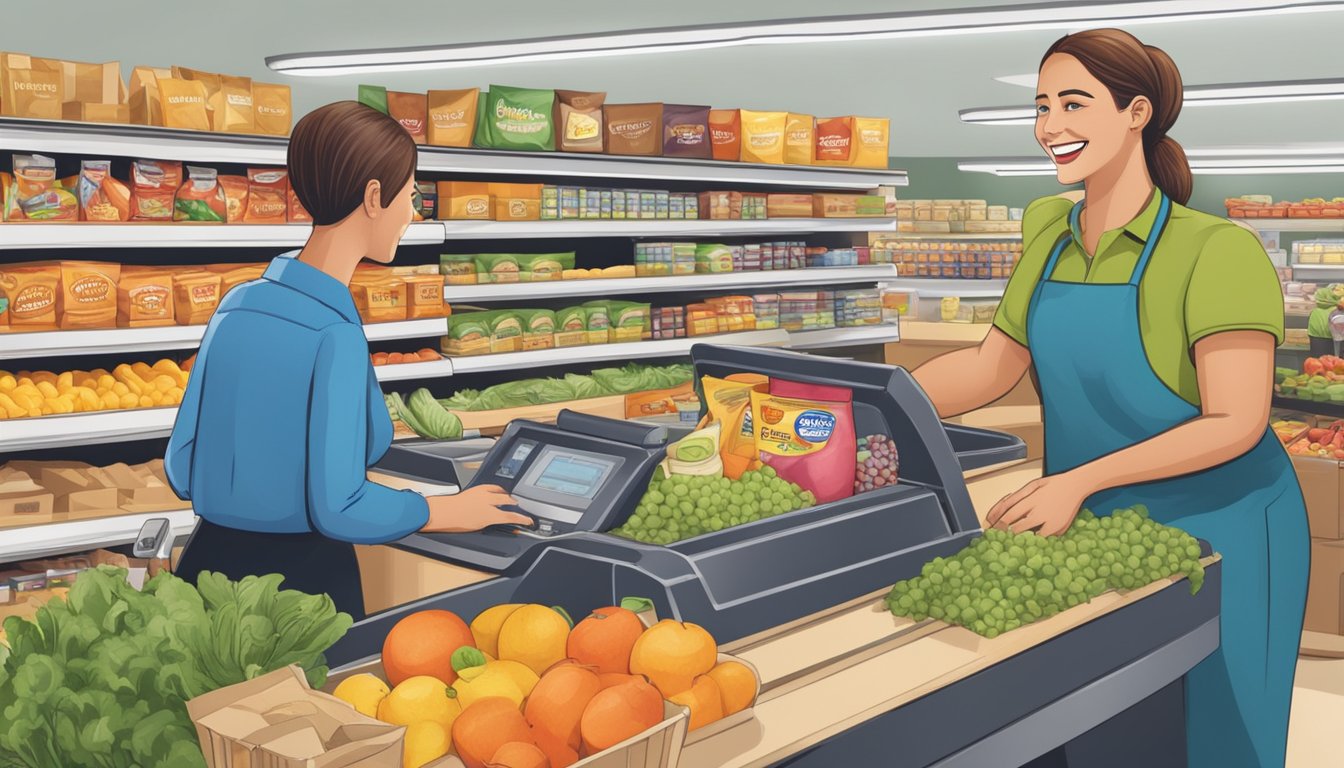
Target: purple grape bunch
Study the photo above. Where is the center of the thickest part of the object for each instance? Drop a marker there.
(878, 464)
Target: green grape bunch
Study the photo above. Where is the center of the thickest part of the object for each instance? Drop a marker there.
(1003, 581)
(677, 507)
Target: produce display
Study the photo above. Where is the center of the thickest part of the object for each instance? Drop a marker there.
(522, 685)
(1321, 380)
(393, 358)
(601, 382)
(949, 260)
(43, 393)
(1288, 430)
(544, 120)
(422, 413)
(1264, 207)
(1003, 581)
(957, 216)
(123, 662)
(879, 463)
(53, 89)
(1321, 442)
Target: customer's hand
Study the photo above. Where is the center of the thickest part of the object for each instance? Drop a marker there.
(472, 510)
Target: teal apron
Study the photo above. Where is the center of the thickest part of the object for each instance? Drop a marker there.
(1099, 396)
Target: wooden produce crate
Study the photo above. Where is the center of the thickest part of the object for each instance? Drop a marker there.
(493, 422)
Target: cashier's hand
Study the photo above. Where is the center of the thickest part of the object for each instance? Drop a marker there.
(472, 510)
(1047, 506)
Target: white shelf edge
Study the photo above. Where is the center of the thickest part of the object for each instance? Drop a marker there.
(432, 369)
(37, 235)
(827, 338)
(29, 434)
(609, 352)
(1319, 267)
(1295, 225)
(941, 287)
(935, 236)
(62, 137)
(114, 340)
(638, 285)
(588, 228)
(41, 540)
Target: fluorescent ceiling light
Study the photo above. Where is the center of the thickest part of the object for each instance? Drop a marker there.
(826, 29)
(1025, 81)
(1195, 96)
(1202, 161)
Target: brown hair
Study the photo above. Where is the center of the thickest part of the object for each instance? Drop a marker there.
(1129, 69)
(336, 150)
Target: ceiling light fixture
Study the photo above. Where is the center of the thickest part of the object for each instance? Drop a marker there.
(1042, 16)
(1195, 96)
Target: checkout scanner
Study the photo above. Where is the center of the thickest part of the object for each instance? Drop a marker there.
(584, 475)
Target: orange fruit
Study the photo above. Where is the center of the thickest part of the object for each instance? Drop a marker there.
(672, 654)
(534, 635)
(423, 644)
(737, 686)
(704, 701)
(605, 638)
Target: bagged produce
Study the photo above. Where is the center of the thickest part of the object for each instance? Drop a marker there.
(729, 404)
(763, 136)
(725, 134)
(154, 186)
(101, 197)
(806, 434)
(517, 118)
(452, 117)
(201, 198)
(36, 195)
(578, 120)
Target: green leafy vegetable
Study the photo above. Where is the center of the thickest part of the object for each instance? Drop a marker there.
(611, 381)
(102, 677)
(437, 421)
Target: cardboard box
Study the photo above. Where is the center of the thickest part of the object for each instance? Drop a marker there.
(96, 113)
(77, 493)
(1322, 482)
(516, 202)
(788, 206)
(276, 720)
(1325, 611)
(22, 500)
(465, 200)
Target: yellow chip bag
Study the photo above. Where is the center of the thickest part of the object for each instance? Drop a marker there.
(763, 136)
(729, 403)
(799, 138)
(870, 145)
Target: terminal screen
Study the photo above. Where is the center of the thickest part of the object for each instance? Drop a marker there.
(573, 475)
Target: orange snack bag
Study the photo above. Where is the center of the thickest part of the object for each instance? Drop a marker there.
(267, 196)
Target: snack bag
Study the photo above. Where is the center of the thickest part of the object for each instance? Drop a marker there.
(235, 197)
(725, 134)
(214, 93)
(143, 95)
(145, 297)
(33, 292)
(374, 97)
(201, 198)
(236, 111)
(272, 108)
(871, 137)
(799, 137)
(88, 296)
(506, 331)
(154, 185)
(571, 327)
(409, 109)
(578, 120)
(267, 196)
(834, 136)
(196, 296)
(634, 129)
(35, 194)
(763, 136)
(295, 212)
(806, 439)
(517, 118)
(452, 116)
(184, 103)
(497, 267)
(686, 131)
(101, 197)
(729, 404)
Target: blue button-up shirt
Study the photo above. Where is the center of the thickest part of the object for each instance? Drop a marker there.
(283, 415)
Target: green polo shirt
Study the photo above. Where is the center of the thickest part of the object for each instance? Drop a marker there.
(1207, 275)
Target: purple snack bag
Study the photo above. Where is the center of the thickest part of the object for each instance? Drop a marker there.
(686, 131)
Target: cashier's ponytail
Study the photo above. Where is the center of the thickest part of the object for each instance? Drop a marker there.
(1130, 69)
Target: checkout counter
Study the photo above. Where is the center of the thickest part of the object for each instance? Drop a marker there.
(800, 595)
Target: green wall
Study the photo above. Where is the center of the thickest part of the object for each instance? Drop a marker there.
(938, 177)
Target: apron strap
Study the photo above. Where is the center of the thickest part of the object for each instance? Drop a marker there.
(1063, 240)
(1155, 234)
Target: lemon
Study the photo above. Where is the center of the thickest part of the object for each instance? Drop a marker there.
(418, 699)
(488, 681)
(521, 674)
(425, 742)
(534, 635)
(485, 627)
(363, 692)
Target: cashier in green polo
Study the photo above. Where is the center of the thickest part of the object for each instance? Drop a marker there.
(1151, 331)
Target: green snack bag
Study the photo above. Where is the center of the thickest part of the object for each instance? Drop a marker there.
(571, 327)
(373, 96)
(598, 321)
(506, 330)
(497, 267)
(541, 267)
(629, 320)
(458, 269)
(517, 119)
(713, 258)
(538, 328)
(468, 334)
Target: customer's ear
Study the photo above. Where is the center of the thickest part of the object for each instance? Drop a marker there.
(373, 198)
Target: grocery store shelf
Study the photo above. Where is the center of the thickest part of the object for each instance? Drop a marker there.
(511, 230)
(1295, 225)
(58, 137)
(633, 350)
(36, 541)
(115, 340)
(150, 235)
(431, 369)
(592, 166)
(937, 287)
(33, 434)
(830, 338)
(937, 236)
(1319, 267)
(777, 279)
(1332, 410)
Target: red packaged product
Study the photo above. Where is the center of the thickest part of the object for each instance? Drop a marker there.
(805, 432)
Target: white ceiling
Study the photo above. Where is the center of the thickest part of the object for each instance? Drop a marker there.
(919, 83)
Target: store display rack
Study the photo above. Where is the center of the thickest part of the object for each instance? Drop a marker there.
(1329, 410)
(54, 538)
(56, 137)
(965, 288)
(589, 228)
(149, 235)
(1295, 225)
(935, 236)
(1336, 268)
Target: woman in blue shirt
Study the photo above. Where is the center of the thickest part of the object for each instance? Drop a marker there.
(283, 415)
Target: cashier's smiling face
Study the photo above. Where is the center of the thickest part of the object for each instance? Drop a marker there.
(1077, 122)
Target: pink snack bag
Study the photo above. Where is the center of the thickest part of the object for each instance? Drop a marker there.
(805, 432)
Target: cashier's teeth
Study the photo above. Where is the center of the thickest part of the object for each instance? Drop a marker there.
(1068, 149)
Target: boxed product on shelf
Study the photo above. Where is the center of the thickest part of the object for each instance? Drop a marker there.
(629, 321)
(668, 322)
(516, 202)
(858, 307)
(467, 200)
(379, 295)
(713, 258)
(735, 313)
(634, 129)
(829, 205)
(196, 296)
(22, 500)
(506, 330)
(701, 320)
(33, 87)
(598, 320)
(424, 296)
(898, 304)
(1319, 252)
(686, 131)
(766, 308)
(94, 93)
(784, 206)
(231, 275)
